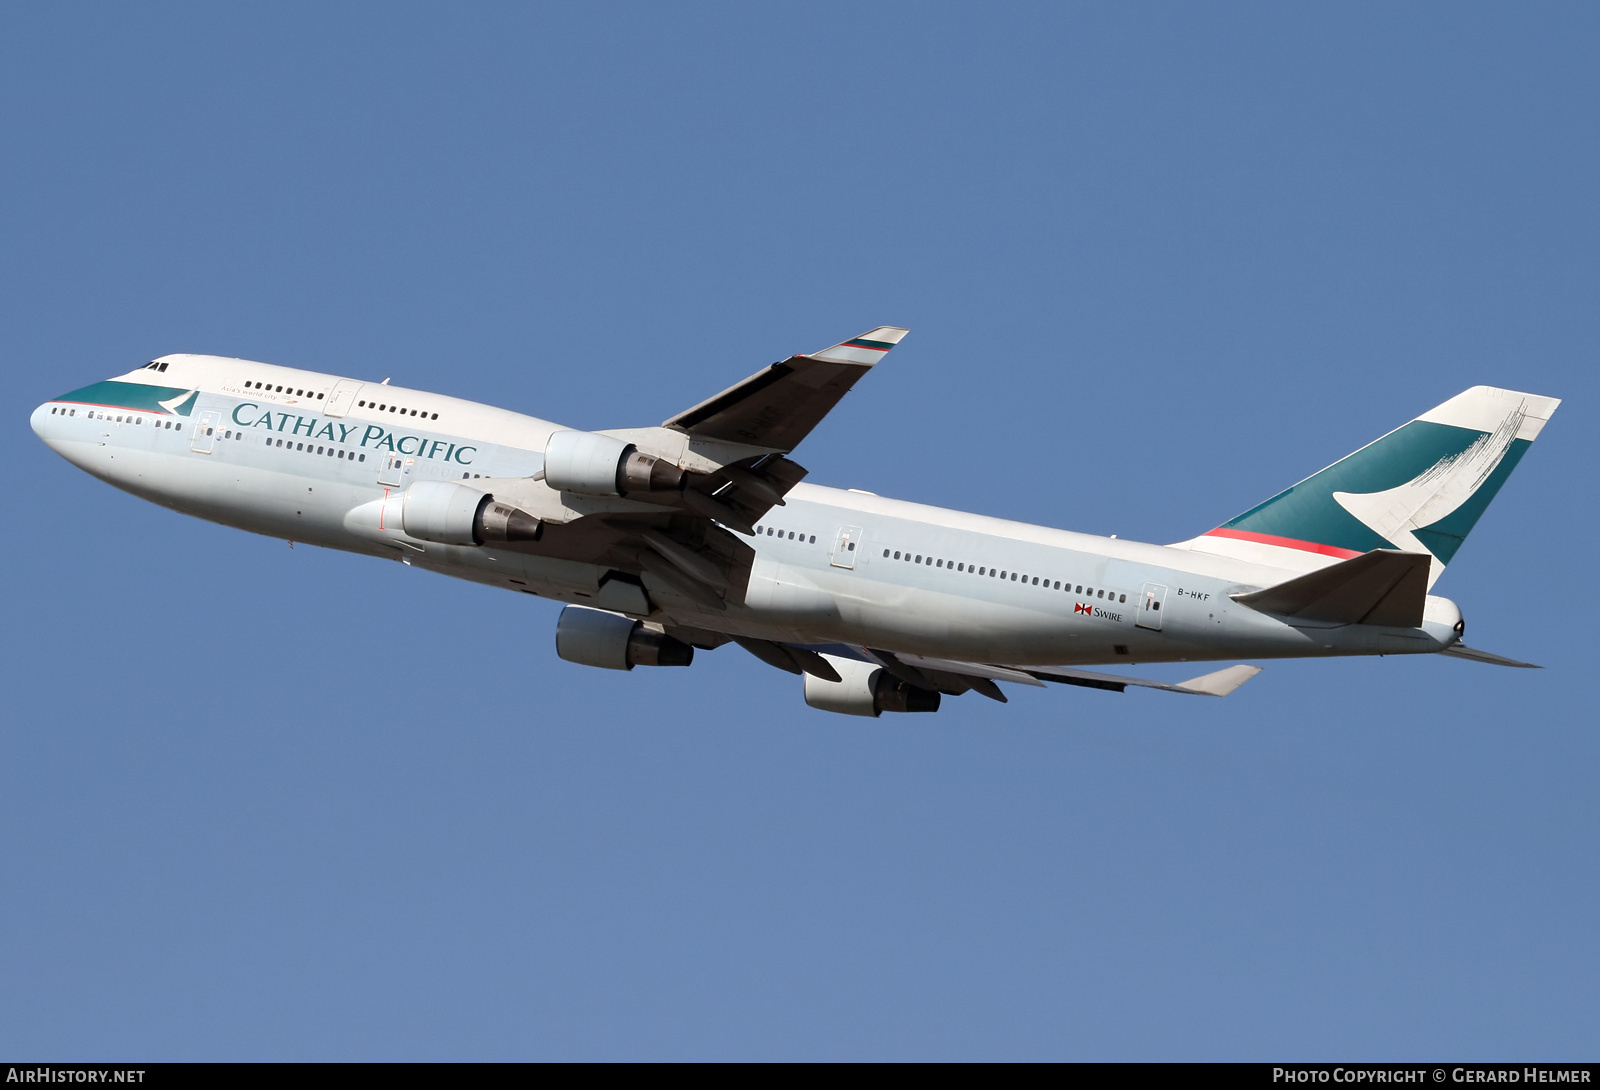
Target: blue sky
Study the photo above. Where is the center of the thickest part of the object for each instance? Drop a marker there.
(1159, 261)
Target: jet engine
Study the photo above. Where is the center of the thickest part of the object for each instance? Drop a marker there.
(453, 514)
(865, 688)
(593, 637)
(599, 465)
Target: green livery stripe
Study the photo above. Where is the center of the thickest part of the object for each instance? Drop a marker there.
(1308, 512)
(862, 342)
(131, 395)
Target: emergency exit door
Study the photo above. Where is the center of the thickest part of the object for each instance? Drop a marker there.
(395, 471)
(343, 397)
(844, 547)
(205, 433)
(1152, 601)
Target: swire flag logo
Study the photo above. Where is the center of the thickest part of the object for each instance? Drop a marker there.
(1082, 607)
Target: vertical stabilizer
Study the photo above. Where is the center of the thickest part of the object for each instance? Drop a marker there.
(1419, 489)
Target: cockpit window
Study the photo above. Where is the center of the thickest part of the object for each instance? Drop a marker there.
(155, 365)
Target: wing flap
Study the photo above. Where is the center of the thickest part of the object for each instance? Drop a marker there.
(971, 669)
(1219, 683)
(1382, 587)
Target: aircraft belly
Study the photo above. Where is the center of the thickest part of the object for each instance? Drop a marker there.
(780, 593)
(547, 577)
(93, 458)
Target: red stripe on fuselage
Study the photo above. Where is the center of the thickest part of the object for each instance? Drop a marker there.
(1283, 542)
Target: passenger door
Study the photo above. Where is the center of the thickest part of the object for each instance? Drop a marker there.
(1152, 598)
(343, 396)
(395, 471)
(205, 432)
(844, 547)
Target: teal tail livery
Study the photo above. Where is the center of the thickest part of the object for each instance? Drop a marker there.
(1419, 489)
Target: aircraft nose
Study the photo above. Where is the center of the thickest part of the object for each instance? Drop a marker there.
(52, 422)
(40, 421)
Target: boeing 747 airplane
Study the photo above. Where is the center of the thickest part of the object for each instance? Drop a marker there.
(700, 532)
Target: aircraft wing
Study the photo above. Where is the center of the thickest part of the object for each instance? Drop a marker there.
(683, 543)
(777, 407)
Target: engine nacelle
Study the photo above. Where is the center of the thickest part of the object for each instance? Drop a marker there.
(442, 511)
(593, 637)
(865, 688)
(599, 465)
(453, 514)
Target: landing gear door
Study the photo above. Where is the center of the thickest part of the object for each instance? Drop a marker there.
(343, 396)
(844, 547)
(205, 433)
(1152, 603)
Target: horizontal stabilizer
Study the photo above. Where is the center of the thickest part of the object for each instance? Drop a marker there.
(1462, 651)
(1383, 587)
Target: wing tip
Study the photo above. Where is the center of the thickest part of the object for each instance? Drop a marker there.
(866, 349)
(1220, 682)
(889, 334)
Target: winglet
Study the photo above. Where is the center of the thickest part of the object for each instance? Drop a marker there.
(1220, 683)
(866, 349)
(778, 406)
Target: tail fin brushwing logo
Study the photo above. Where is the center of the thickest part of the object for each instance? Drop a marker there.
(1435, 493)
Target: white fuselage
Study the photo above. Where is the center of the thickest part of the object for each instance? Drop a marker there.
(326, 466)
